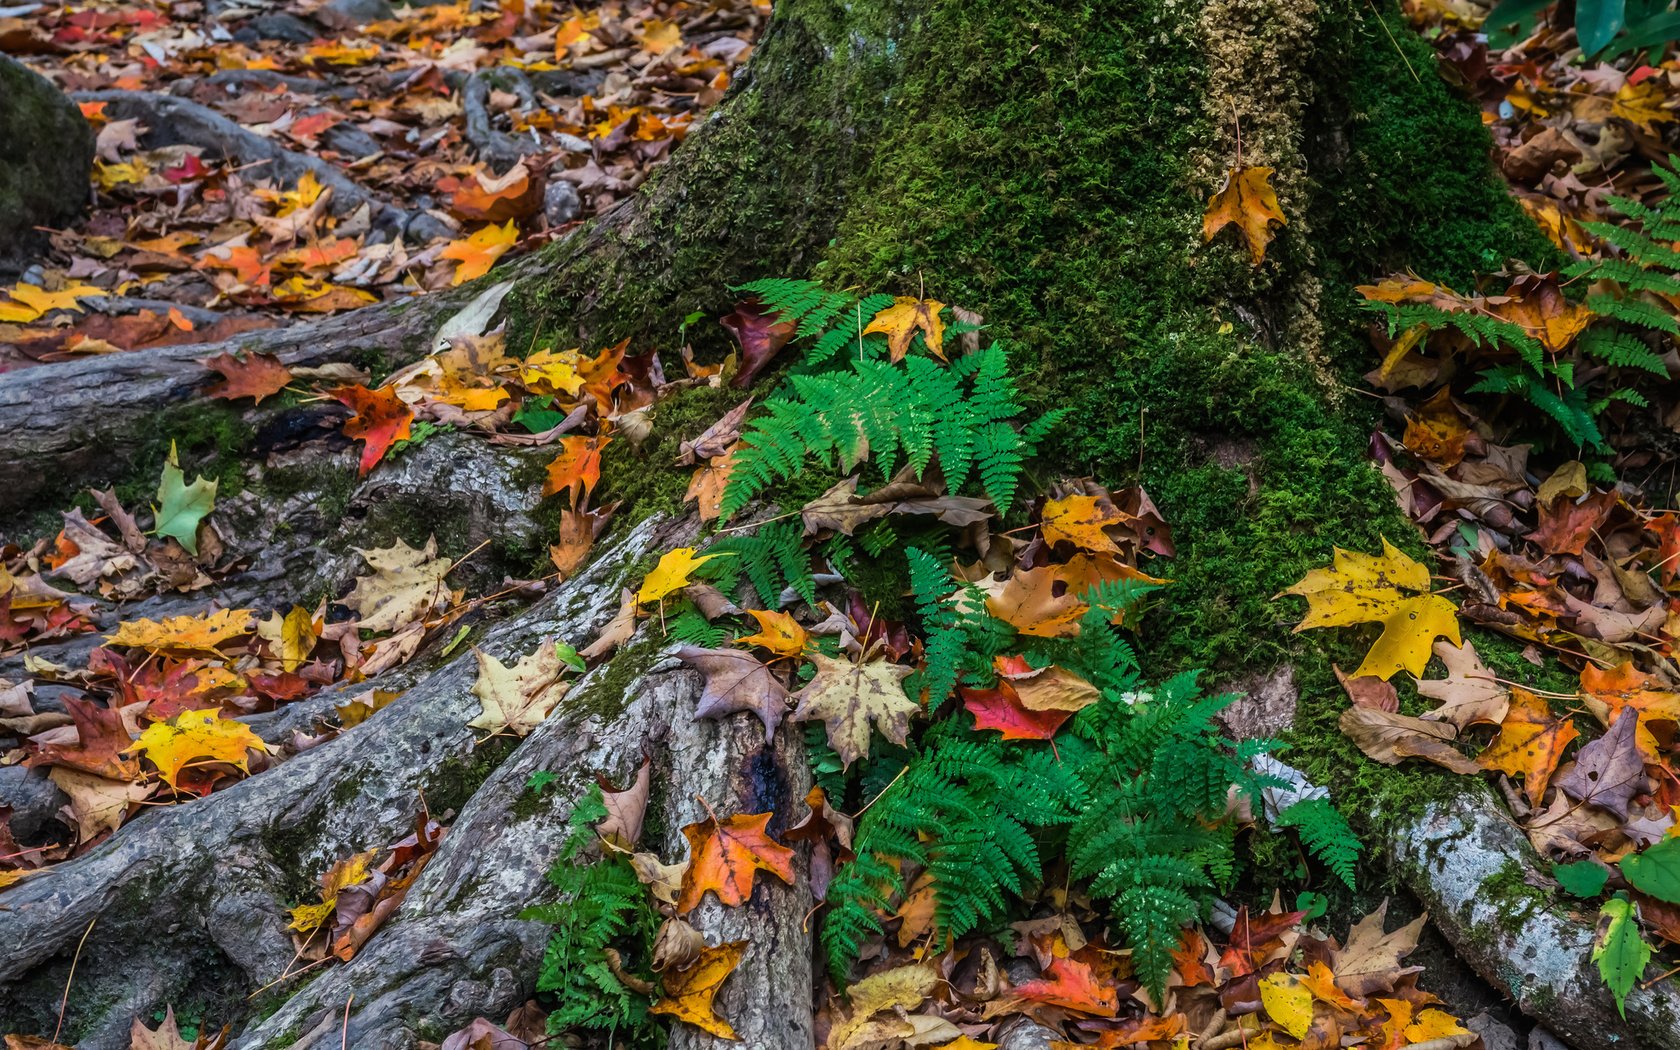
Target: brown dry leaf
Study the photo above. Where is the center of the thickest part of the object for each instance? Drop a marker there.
(1369, 691)
(1370, 960)
(1389, 738)
(737, 681)
(97, 804)
(709, 480)
(256, 376)
(900, 989)
(1609, 771)
(1469, 694)
(406, 584)
(1248, 200)
(620, 629)
(622, 826)
(517, 699)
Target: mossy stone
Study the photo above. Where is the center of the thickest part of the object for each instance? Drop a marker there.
(49, 158)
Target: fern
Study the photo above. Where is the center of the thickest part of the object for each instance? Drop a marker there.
(833, 319)
(1622, 350)
(943, 628)
(1325, 833)
(691, 628)
(773, 559)
(917, 411)
(600, 905)
(964, 809)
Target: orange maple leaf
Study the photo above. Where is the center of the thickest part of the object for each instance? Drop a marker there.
(1530, 743)
(777, 632)
(477, 253)
(901, 321)
(689, 992)
(1248, 200)
(1606, 693)
(1079, 520)
(726, 856)
(577, 468)
(381, 418)
(256, 376)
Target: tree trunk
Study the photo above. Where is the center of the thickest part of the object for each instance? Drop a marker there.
(1043, 164)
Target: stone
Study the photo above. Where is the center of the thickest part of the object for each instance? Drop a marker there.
(44, 181)
(1496, 1035)
(350, 14)
(287, 29)
(560, 202)
(1265, 706)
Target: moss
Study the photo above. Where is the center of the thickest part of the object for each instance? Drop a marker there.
(608, 693)
(1513, 900)
(453, 782)
(647, 479)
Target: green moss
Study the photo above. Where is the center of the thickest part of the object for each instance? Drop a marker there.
(448, 787)
(648, 479)
(608, 693)
(1513, 899)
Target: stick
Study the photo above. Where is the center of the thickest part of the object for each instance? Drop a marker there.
(64, 1001)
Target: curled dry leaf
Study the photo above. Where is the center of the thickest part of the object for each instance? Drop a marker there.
(737, 681)
(1390, 738)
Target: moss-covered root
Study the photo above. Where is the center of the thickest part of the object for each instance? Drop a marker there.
(1479, 879)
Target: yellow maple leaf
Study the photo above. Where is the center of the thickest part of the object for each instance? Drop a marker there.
(109, 176)
(1288, 1002)
(29, 302)
(1434, 1024)
(671, 574)
(552, 372)
(193, 736)
(1079, 520)
(191, 633)
(901, 321)
(307, 918)
(1248, 200)
(689, 993)
(518, 698)
(1362, 588)
(777, 632)
(291, 638)
(477, 253)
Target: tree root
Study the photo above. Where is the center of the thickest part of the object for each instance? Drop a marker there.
(1468, 864)
(179, 121)
(199, 892)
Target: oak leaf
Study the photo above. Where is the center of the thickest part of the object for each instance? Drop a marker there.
(903, 319)
(849, 698)
(689, 993)
(406, 584)
(381, 419)
(724, 858)
(737, 681)
(193, 736)
(180, 506)
(1360, 588)
(516, 699)
(183, 633)
(256, 376)
(671, 574)
(1248, 200)
(1530, 743)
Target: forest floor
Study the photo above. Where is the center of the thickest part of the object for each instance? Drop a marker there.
(1531, 441)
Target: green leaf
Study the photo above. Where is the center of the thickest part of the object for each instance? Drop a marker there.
(181, 506)
(1314, 904)
(460, 636)
(539, 780)
(1597, 22)
(569, 656)
(1656, 871)
(1620, 952)
(1584, 878)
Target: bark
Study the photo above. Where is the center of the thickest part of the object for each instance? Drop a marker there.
(1481, 881)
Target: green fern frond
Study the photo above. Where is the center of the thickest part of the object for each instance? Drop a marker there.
(1622, 350)
(1325, 834)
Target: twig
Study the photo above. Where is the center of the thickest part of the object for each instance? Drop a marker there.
(65, 1000)
(344, 1037)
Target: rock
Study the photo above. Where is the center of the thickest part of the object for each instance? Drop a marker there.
(44, 181)
(560, 202)
(288, 29)
(348, 14)
(1265, 706)
(1496, 1035)
(1027, 1035)
(1540, 1039)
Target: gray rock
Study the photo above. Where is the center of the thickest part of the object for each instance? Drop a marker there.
(44, 180)
(1496, 1035)
(288, 29)
(348, 14)
(32, 798)
(1265, 706)
(1540, 1039)
(560, 202)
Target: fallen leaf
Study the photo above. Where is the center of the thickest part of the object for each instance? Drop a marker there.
(577, 468)
(777, 632)
(724, 858)
(181, 507)
(516, 699)
(689, 993)
(97, 803)
(1530, 743)
(194, 736)
(1469, 694)
(1389, 737)
(1001, 709)
(849, 698)
(1360, 588)
(761, 333)
(183, 633)
(737, 681)
(620, 629)
(622, 826)
(1288, 1002)
(406, 584)
(478, 252)
(671, 574)
(1370, 692)
(1079, 520)
(1607, 693)
(901, 321)
(1608, 771)
(899, 989)
(256, 376)
(381, 419)
(1248, 200)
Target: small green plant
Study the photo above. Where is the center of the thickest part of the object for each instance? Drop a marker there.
(1605, 29)
(602, 924)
